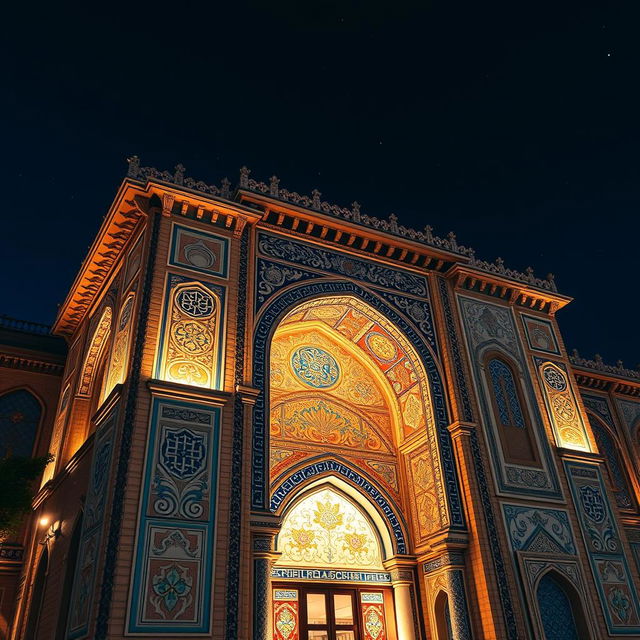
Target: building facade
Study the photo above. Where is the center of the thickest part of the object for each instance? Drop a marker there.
(282, 419)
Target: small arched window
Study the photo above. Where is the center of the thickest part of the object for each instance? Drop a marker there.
(510, 412)
(560, 610)
(20, 414)
(443, 617)
(615, 466)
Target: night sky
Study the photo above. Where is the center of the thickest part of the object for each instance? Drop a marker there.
(516, 125)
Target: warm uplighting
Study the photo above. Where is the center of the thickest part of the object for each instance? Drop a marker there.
(44, 522)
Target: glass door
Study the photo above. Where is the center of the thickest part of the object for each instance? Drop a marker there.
(322, 612)
(329, 614)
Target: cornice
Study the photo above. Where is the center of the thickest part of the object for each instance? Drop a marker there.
(595, 374)
(34, 364)
(522, 290)
(334, 224)
(119, 225)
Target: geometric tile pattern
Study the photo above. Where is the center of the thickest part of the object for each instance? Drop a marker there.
(172, 576)
(630, 411)
(192, 333)
(609, 449)
(542, 575)
(560, 399)
(617, 592)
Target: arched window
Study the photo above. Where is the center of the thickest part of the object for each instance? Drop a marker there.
(20, 414)
(510, 412)
(70, 570)
(443, 617)
(615, 466)
(37, 596)
(559, 609)
(326, 529)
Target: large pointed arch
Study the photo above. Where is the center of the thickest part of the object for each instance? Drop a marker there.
(267, 323)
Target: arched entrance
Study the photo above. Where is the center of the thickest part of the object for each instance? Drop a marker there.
(333, 552)
(354, 469)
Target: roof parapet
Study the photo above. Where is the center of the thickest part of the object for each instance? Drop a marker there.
(354, 215)
(598, 364)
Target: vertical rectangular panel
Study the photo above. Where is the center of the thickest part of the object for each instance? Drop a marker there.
(91, 539)
(599, 528)
(173, 572)
(286, 614)
(373, 622)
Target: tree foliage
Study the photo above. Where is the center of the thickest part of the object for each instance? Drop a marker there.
(17, 478)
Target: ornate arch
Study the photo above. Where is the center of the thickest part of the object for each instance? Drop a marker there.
(322, 468)
(575, 601)
(94, 352)
(511, 413)
(271, 315)
(21, 414)
(609, 447)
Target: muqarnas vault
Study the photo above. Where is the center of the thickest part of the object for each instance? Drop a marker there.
(282, 419)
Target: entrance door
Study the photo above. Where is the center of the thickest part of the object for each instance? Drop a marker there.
(329, 614)
(324, 612)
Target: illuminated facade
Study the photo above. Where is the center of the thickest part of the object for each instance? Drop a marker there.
(282, 419)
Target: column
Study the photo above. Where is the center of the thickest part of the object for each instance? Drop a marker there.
(264, 557)
(402, 579)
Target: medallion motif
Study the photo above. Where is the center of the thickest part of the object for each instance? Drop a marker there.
(315, 367)
(592, 503)
(372, 623)
(183, 453)
(199, 255)
(554, 378)
(286, 621)
(172, 587)
(381, 347)
(195, 302)
(192, 337)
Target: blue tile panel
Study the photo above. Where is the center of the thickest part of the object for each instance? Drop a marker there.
(173, 570)
(616, 590)
(20, 414)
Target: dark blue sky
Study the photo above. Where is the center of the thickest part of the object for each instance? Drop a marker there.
(517, 126)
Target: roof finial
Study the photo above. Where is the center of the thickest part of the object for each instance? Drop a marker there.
(134, 166)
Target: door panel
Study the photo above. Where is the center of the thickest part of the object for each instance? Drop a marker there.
(326, 613)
